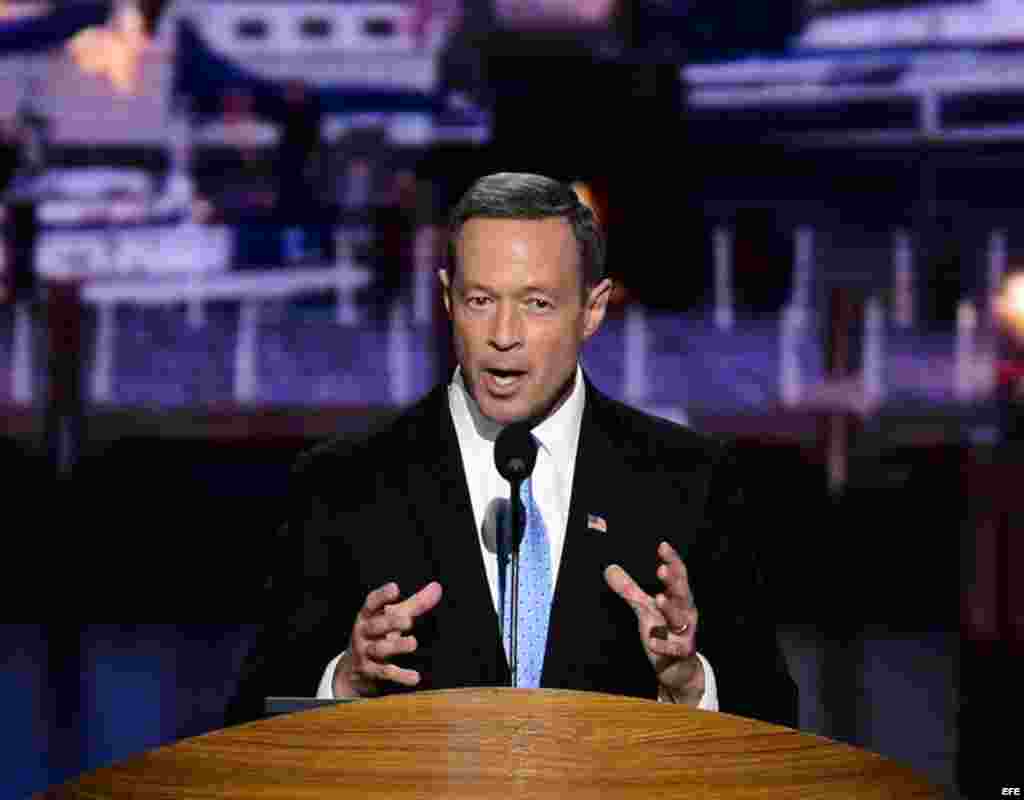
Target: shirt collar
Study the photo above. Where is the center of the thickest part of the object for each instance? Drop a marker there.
(557, 433)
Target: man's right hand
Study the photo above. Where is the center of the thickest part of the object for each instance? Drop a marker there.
(377, 636)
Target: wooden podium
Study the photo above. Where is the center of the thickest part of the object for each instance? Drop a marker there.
(502, 743)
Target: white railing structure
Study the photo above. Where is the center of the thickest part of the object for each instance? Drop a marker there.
(103, 360)
(997, 258)
(874, 353)
(86, 235)
(399, 355)
(985, 364)
(722, 246)
(803, 267)
(975, 355)
(964, 381)
(636, 380)
(904, 307)
(133, 251)
(969, 378)
(830, 79)
(369, 43)
(22, 371)
(916, 24)
(245, 352)
(972, 373)
(424, 281)
(792, 328)
(250, 288)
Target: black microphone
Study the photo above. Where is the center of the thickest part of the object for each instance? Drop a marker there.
(515, 455)
(515, 451)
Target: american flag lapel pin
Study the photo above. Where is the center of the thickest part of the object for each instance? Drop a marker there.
(596, 523)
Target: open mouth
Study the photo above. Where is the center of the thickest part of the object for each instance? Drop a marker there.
(504, 378)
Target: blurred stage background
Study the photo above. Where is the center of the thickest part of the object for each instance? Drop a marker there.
(222, 221)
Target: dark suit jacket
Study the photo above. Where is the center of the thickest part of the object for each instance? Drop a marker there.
(395, 506)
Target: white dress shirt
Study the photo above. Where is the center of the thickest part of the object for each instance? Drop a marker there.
(551, 485)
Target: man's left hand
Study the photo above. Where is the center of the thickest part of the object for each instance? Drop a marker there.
(668, 625)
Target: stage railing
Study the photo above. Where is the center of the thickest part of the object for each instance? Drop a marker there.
(250, 288)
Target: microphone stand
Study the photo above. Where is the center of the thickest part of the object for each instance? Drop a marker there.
(515, 454)
(518, 523)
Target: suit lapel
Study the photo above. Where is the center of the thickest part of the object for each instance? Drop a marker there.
(576, 611)
(468, 647)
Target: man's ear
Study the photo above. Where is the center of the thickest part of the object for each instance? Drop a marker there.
(446, 289)
(595, 306)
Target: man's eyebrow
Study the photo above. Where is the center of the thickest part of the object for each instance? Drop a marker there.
(530, 289)
(470, 287)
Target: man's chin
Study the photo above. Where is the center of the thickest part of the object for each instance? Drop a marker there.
(504, 413)
(518, 407)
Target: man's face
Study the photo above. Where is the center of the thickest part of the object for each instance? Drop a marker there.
(518, 314)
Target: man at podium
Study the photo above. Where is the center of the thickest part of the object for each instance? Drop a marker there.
(387, 576)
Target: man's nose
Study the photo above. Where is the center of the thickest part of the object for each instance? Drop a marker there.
(506, 331)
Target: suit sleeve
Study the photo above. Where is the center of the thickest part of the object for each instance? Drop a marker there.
(737, 627)
(308, 615)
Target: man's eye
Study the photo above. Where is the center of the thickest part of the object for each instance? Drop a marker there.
(540, 303)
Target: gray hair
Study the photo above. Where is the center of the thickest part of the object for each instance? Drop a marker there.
(521, 195)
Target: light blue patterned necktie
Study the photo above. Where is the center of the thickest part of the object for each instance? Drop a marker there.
(534, 592)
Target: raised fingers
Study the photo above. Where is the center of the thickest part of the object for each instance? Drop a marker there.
(389, 619)
(681, 619)
(390, 672)
(378, 634)
(370, 659)
(381, 615)
(672, 571)
(421, 602)
(674, 576)
(620, 582)
(676, 602)
(379, 597)
(388, 647)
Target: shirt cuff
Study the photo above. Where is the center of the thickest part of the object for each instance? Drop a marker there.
(326, 688)
(708, 700)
